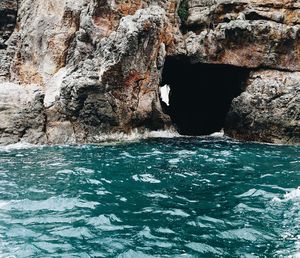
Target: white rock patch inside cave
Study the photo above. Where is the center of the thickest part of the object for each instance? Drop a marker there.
(164, 92)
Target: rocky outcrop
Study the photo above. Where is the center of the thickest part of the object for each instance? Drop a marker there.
(258, 35)
(22, 114)
(255, 33)
(269, 109)
(116, 89)
(71, 71)
(97, 64)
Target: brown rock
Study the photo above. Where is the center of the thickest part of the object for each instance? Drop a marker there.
(97, 65)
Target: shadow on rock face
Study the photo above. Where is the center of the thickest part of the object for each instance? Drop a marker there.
(8, 16)
(201, 94)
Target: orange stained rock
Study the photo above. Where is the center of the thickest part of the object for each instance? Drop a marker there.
(132, 79)
(129, 7)
(28, 74)
(167, 36)
(292, 17)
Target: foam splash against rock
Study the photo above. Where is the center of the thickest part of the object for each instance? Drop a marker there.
(136, 135)
(293, 195)
(19, 146)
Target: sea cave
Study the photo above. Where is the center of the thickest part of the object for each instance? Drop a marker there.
(200, 94)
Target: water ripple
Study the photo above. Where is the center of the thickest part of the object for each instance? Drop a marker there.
(183, 197)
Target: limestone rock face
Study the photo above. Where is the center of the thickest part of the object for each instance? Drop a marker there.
(21, 114)
(97, 66)
(71, 71)
(256, 34)
(269, 109)
(252, 33)
(116, 89)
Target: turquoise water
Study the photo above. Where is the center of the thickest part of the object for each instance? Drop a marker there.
(183, 197)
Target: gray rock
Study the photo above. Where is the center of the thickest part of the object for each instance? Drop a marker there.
(251, 34)
(117, 89)
(269, 109)
(74, 70)
(21, 114)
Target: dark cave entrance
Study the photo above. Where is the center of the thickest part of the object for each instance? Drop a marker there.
(8, 20)
(200, 94)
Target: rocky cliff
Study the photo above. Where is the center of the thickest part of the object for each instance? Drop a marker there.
(72, 71)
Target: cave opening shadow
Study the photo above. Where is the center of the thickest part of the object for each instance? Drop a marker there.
(201, 94)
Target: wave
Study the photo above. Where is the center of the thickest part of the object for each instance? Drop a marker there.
(19, 146)
(220, 134)
(136, 135)
(292, 195)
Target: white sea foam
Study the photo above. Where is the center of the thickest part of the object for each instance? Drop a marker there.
(3, 204)
(53, 204)
(186, 153)
(174, 161)
(296, 255)
(292, 195)
(111, 138)
(173, 212)
(18, 146)
(136, 135)
(157, 195)
(165, 230)
(220, 134)
(147, 178)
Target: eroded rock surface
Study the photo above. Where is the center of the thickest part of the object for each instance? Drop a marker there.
(253, 33)
(86, 68)
(97, 63)
(22, 114)
(269, 109)
(116, 89)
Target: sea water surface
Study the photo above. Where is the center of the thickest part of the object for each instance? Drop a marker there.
(182, 197)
